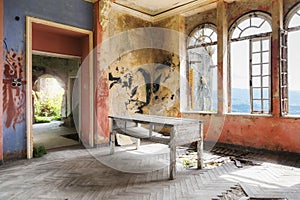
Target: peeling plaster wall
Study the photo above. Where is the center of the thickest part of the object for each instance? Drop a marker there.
(140, 80)
(237, 9)
(144, 85)
(72, 12)
(263, 132)
(192, 22)
(143, 80)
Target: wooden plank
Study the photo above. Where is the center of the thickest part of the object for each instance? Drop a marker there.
(185, 133)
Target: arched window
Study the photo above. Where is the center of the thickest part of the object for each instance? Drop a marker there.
(202, 68)
(290, 71)
(250, 64)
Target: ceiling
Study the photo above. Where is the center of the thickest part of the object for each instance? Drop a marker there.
(154, 7)
(155, 10)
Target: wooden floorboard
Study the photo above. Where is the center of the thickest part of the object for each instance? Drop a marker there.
(75, 174)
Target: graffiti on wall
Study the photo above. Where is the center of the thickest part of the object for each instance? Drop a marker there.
(13, 88)
(149, 89)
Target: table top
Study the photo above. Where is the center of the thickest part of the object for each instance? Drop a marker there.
(157, 119)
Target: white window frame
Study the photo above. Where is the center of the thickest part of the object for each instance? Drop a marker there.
(254, 37)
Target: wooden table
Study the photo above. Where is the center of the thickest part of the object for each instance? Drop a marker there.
(182, 131)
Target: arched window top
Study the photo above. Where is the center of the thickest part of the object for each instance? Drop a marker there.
(203, 35)
(293, 18)
(253, 23)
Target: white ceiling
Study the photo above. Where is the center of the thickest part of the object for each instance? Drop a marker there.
(154, 7)
(155, 10)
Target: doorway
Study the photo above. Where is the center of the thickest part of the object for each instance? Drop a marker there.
(54, 39)
(53, 82)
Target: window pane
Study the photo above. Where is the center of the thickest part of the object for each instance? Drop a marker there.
(236, 33)
(214, 37)
(256, 46)
(257, 105)
(239, 58)
(295, 21)
(240, 92)
(256, 82)
(250, 31)
(266, 81)
(293, 72)
(256, 93)
(208, 31)
(256, 58)
(240, 99)
(214, 54)
(255, 21)
(266, 107)
(266, 45)
(256, 70)
(266, 93)
(266, 57)
(265, 28)
(244, 24)
(266, 70)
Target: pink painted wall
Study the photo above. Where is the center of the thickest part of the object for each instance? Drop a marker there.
(55, 42)
(101, 86)
(271, 133)
(86, 92)
(1, 84)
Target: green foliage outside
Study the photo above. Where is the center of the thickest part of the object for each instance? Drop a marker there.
(47, 108)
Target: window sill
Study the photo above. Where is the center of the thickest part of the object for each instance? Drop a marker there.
(251, 115)
(199, 112)
(291, 116)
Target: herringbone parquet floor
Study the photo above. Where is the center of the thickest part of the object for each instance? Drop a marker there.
(74, 173)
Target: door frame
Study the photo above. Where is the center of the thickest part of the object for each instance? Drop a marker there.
(29, 51)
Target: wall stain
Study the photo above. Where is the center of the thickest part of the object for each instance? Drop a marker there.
(146, 89)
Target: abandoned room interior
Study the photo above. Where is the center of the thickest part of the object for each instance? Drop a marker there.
(207, 89)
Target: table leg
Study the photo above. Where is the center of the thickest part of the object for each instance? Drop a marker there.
(138, 143)
(172, 146)
(172, 162)
(200, 154)
(112, 142)
(200, 148)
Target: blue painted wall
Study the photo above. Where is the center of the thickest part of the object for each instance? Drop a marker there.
(76, 13)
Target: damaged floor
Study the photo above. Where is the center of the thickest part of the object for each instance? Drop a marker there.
(79, 173)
